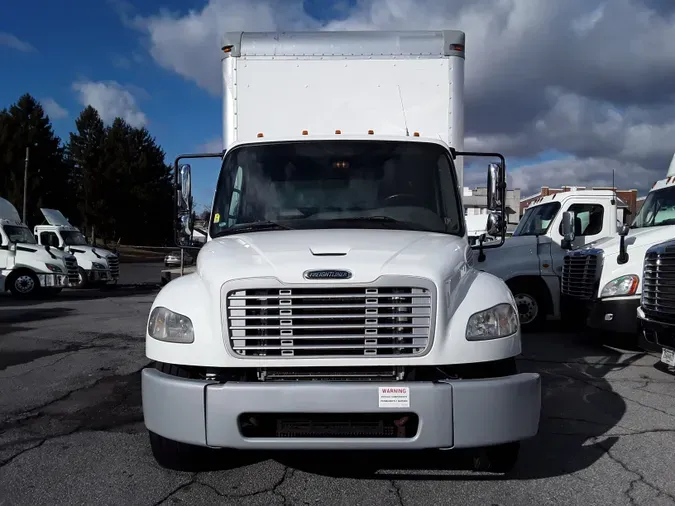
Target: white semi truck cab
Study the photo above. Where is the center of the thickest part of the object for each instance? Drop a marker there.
(28, 269)
(335, 304)
(603, 281)
(656, 313)
(531, 261)
(96, 266)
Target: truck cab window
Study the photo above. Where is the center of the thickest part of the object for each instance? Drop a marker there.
(588, 219)
(331, 184)
(73, 238)
(536, 220)
(19, 234)
(49, 239)
(658, 209)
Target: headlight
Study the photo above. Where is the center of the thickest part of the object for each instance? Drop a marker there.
(498, 321)
(98, 266)
(54, 268)
(623, 285)
(165, 325)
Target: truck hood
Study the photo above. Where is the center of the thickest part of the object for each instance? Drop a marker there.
(367, 254)
(637, 239)
(91, 253)
(25, 253)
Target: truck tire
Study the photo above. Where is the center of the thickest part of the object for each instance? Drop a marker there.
(23, 284)
(175, 455)
(82, 281)
(531, 304)
(498, 459)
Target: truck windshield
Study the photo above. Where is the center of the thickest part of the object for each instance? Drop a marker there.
(658, 209)
(73, 238)
(536, 220)
(20, 235)
(337, 184)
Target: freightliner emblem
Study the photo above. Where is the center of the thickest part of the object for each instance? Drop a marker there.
(327, 274)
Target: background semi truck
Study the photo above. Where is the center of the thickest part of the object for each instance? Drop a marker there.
(603, 281)
(531, 261)
(96, 266)
(27, 268)
(335, 304)
(656, 312)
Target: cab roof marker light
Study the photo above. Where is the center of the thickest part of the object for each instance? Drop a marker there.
(305, 132)
(371, 132)
(260, 134)
(338, 132)
(416, 134)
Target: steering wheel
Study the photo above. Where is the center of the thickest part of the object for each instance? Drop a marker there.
(414, 199)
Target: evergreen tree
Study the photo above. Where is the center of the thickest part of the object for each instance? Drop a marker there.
(85, 154)
(25, 125)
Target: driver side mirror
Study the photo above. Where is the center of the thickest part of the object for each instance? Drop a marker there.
(567, 229)
(184, 205)
(494, 184)
(568, 226)
(494, 225)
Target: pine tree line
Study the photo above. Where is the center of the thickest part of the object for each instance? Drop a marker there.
(111, 181)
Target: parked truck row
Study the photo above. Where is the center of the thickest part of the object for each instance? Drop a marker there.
(60, 257)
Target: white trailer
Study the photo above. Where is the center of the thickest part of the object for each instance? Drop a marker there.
(603, 282)
(28, 269)
(96, 266)
(335, 304)
(531, 261)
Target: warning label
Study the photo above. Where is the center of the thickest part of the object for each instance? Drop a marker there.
(394, 397)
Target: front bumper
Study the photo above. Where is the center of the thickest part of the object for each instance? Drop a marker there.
(455, 414)
(655, 334)
(617, 316)
(49, 280)
(100, 275)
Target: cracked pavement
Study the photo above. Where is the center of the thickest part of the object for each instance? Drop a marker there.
(71, 427)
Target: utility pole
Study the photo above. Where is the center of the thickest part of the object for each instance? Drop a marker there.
(25, 183)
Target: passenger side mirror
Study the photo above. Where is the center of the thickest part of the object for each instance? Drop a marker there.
(623, 230)
(494, 184)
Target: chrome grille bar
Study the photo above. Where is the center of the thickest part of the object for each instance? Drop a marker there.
(579, 275)
(658, 283)
(329, 322)
(72, 270)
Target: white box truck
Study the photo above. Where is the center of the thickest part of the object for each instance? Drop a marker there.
(96, 266)
(335, 304)
(28, 269)
(602, 282)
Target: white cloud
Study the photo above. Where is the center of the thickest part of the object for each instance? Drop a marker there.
(53, 109)
(591, 79)
(9, 40)
(111, 100)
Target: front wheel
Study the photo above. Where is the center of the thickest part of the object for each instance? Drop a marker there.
(498, 459)
(181, 456)
(531, 306)
(23, 284)
(82, 281)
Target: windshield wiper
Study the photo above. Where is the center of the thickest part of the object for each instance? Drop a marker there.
(253, 227)
(380, 219)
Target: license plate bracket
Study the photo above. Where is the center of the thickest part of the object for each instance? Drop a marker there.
(668, 357)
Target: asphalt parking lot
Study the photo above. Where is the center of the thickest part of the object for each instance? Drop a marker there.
(71, 429)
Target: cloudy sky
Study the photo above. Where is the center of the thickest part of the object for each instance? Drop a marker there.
(569, 91)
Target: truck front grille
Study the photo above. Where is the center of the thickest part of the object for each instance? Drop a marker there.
(114, 264)
(658, 284)
(329, 322)
(579, 275)
(72, 270)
